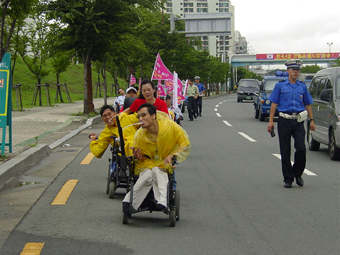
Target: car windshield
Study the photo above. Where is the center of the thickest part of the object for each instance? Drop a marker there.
(254, 84)
(270, 84)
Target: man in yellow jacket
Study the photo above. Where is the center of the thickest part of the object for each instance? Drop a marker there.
(98, 146)
(155, 144)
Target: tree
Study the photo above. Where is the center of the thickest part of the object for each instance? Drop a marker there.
(310, 69)
(92, 27)
(12, 11)
(60, 61)
(35, 46)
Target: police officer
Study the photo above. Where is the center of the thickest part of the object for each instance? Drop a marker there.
(292, 99)
(201, 89)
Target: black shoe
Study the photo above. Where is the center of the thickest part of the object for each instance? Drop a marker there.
(288, 185)
(191, 120)
(195, 116)
(299, 181)
(161, 207)
(199, 115)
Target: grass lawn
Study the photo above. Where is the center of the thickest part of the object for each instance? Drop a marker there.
(73, 77)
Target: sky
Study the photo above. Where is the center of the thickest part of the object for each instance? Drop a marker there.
(290, 26)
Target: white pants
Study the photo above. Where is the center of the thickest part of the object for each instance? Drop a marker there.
(154, 178)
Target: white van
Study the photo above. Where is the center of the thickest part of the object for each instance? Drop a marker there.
(325, 90)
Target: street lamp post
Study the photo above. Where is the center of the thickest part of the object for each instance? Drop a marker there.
(330, 45)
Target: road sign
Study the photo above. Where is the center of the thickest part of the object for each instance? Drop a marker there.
(5, 102)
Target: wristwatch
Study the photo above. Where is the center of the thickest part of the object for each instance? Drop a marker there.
(311, 120)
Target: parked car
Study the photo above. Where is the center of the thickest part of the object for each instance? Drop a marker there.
(261, 102)
(325, 90)
(246, 89)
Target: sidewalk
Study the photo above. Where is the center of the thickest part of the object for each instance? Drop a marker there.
(36, 131)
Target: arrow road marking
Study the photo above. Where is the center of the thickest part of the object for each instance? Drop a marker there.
(306, 171)
(247, 137)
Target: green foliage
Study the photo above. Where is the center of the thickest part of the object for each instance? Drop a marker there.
(337, 62)
(310, 69)
(244, 73)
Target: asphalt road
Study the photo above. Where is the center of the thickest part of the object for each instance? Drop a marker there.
(232, 198)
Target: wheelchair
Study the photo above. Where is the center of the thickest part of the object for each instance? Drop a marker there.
(120, 166)
(149, 203)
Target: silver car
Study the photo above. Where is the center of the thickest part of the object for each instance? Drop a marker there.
(325, 90)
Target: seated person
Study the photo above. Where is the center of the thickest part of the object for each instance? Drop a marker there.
(120, 99)
(177, 114)
(131, 96)
(155, 144)
(108, 114)
(131, 92)
(148, 95)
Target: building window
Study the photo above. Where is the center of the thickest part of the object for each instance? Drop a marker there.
(168, 9)
(188, 5)
(224, 10)
(221, 48)
(205, 38)
(202, 4)
(226, 42)
(202, 9)
(188, 9)
(223, 5)
(205, 43)
(168, 4)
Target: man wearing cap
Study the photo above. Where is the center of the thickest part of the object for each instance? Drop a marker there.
(201, 89)
(293, 101)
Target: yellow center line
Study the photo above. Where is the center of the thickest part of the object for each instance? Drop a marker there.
(64, 193)
(87, 160)
(32, 249)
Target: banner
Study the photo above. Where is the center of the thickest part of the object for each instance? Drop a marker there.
(160, 71)
(160, 90)
(132, 80)
(286, 56)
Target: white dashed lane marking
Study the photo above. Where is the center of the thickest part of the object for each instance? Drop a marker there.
(306, 171)
(215, 109)
(227, 123)
(218, 115)
(247, 137)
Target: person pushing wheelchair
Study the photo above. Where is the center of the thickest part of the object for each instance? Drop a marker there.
(155, 144)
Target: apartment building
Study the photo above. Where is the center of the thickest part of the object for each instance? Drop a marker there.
(216, 45)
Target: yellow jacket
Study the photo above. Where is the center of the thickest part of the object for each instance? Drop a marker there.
(99, 146)
(171, 140)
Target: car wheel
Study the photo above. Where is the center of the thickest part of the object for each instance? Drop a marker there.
(312, 144)
(334, 151)
(257, 112)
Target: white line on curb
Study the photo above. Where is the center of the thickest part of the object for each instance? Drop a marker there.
(247, 137)
(227, 123)
(306, 171)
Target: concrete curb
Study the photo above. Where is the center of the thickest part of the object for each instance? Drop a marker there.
(15, 167)
(18, 165)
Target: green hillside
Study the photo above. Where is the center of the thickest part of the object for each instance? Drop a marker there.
(73, 77)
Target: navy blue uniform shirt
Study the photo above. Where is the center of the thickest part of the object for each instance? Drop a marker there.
(291, 98)
(200, 87)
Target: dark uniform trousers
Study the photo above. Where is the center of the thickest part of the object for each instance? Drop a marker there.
(288, 128)
(199, 104)
(192, 107)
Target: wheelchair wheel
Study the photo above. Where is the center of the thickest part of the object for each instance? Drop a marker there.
(108, 182)
(172, 217)
(125, 218)
(177, 204)
(112, 189)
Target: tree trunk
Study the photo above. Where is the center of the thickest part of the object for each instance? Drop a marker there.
(88, 100)
(102, 69)
(116, 81)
